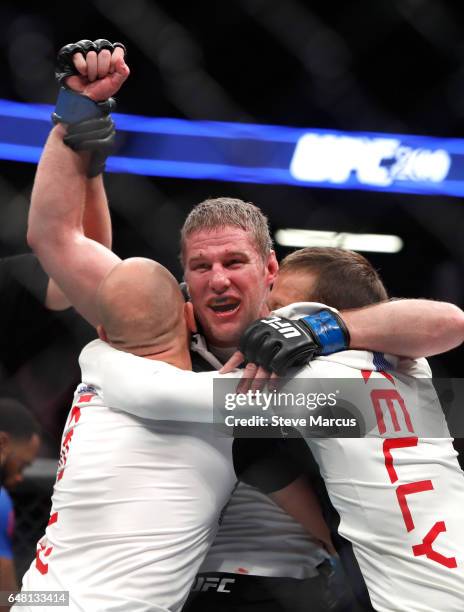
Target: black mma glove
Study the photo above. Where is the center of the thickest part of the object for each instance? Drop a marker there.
(90, 127)
(97, 136)
(276, 343)
(64, 63)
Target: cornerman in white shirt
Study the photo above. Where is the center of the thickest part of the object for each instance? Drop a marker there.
(136, 504)
(400, 490)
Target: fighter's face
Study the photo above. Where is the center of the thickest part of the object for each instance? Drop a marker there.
(18, 454)
(228, 282)
(290, 287)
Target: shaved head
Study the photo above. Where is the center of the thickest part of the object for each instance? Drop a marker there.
(141, 307)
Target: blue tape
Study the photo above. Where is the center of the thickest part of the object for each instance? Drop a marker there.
(72, 107)
(326, 327)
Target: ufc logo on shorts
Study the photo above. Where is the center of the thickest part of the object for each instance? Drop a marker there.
(203, 584)
(283, 327)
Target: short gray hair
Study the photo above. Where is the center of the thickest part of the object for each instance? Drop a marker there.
(221, 212)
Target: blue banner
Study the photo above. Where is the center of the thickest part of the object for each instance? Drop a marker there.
(257, 153)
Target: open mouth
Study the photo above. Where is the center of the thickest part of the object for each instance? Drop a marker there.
(224, 307)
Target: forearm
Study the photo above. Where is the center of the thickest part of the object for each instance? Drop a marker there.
(59, 169)
(58, 194)
(8, 580)
(409, 328)
(147, 388)
(161, 395)
(97, 226)
(97, 220)
(300, 502)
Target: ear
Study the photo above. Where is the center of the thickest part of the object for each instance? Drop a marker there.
(272, 268)
(190, 317)
(102, 333)
(185, 291)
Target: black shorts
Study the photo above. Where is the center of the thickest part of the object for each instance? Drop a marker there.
(222, 592)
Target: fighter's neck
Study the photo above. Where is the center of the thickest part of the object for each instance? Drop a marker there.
(176, 356)
(223, 353)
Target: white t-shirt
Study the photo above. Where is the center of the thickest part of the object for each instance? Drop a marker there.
(257, 538)
(394, 489)
(136, 503)
(400, 494)
(279, 545)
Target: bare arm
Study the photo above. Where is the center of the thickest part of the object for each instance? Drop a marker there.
(8, 582)
(76, 262)
(97, 220)
(300, 502)
(96, 225)
(56, 233)
(408, 328)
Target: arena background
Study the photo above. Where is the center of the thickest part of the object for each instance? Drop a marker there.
(393, 66)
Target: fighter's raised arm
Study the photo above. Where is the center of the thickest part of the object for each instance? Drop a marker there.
(69, 175)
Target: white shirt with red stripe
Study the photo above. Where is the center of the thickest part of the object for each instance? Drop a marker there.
(400, 494)
(134, 509)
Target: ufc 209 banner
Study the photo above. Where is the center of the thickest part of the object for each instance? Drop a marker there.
(257, 153)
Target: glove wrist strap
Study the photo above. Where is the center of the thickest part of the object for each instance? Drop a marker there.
(330, 331)
(72, 107)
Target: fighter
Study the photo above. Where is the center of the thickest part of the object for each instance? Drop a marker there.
(165, 559)
(229, 285)
(135, 506)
